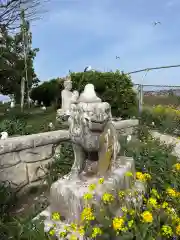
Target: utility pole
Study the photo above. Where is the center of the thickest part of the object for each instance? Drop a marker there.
(24, 80)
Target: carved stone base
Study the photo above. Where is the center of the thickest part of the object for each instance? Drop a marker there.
(66, 196)
(61, 225)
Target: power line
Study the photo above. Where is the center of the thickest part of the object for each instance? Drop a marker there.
(153, 68)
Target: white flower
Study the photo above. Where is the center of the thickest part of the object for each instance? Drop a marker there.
(51, 125)
(153, 123)
(48, 224)
(4, 135)
(128, 138)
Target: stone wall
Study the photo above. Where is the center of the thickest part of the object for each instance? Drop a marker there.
(23, 159)
(169, 140)
(126, 127)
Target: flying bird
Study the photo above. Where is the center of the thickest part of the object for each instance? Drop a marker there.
(88, 68)
(117, 57)
(155, 23)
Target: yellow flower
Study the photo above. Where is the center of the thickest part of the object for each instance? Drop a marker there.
(140, 176)
(73, 226)
(166, 231)
(170, 210)
(178, 230)
(96, 231)
(63, 234)
(129, 174)
(118, 223)
(155, 193)
(147, 176)
(130, 223)
(164, 205)
(147, 217)
(131, 212)
(176, 166)
(121, 194)
(107, 198)
(92, 186)
(52, 232)
(88, 196)
(152, 201)
(101, 180)
(171, 192)
(73, 237)
(56, 216)
(124, 209)
(81, 231)
(87, 214)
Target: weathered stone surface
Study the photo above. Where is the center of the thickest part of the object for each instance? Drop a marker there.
(169, 140)
(35, 140)
(36, 154)
(16, 175)
(126, 131)
(67, 195)
(37, 170)
(126, 123)
(9, 159)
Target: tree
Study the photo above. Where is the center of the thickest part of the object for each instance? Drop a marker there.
(10, 11)
(48, 92)
(12, 64)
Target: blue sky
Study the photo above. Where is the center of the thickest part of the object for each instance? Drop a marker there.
(77, 33)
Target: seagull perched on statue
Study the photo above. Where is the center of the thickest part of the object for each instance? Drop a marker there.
(88, 68)
(155, 23)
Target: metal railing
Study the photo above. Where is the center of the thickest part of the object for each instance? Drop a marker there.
(151, 95)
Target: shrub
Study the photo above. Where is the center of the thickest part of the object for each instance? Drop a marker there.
(157, 217)
(48, 92)
(164, 118)
(61, 164)
(13, 126)
(113, 87)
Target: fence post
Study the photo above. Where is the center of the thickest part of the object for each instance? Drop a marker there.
(140, 99)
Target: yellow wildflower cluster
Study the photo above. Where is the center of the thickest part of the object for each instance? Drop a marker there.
(92, 187)
(152, 202)
(129, 174)
(55, 216)
(167, 231)
(96, 231)
(87, 214)
(107, 198)
(159, 109)
(172, 192)
(178, 230)
(143, 176)
(88, 196)
(154, 205)
(176, 167)
(118, 223)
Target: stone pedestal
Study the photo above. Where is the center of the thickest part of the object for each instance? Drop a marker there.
(66, 196)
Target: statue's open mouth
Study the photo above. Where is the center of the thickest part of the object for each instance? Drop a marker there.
(97, 125)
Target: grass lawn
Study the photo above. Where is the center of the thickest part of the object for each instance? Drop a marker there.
(33, 120)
